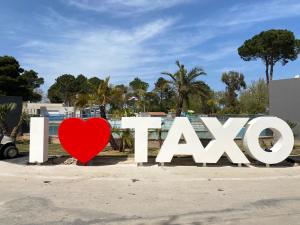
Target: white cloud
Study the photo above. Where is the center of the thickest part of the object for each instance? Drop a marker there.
(125, 7)
(116, 52)
(52, 19)
(219, 53)
(230, 68)
(249, 13)
(144, 48)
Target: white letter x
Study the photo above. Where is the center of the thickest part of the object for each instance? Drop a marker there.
(223, 141)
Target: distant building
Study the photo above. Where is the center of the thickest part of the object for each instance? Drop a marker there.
(284, 101)
(48, 109)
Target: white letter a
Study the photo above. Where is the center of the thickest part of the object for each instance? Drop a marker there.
(181, 127)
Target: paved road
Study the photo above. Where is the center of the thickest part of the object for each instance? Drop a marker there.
(127, 194)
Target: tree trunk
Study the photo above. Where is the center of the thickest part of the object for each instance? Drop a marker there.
(232, 98)
(161, 100)
(102, 112)
(267, 73)
(122, 145)
(160, 137)
(271, 71)
(14, 132)
(179, 106)
(112, 140)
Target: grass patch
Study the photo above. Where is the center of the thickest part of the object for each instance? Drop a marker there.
(57, 150)
(54, 149)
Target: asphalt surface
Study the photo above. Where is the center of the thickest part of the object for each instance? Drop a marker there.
(126, 194)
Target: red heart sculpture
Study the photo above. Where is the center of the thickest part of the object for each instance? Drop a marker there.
(84, 139)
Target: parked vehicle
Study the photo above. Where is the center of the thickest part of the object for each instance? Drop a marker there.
(8, 147)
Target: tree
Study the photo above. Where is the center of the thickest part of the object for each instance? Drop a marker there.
(54, 94)
(81, 84)
(254, 99)
(32, 81)
(126, 139)
(10, 67)
(151, 102)
(101, 96)
(118, 97)
(94, 82)
(5, 109)
(234, 82)
(139, 89)
(203, 104)
(15, 81)
(163, 89)
(114, 96)
(23, 118)
(185, 83)
(137, 84)
(80, 102)
(66, 87)
(271, 46)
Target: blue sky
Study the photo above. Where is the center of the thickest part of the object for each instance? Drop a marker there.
(125, 39)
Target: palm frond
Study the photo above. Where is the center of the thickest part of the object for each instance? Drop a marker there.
(178, 64)
(81, 101)
(201, 88)
(5, 109)
(170, 75)
(194, 73)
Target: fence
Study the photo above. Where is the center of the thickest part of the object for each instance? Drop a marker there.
(195, 120)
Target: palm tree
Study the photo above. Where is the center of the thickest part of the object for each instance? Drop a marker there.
(5, 109)
(80, 102)
(100, 97)
(185, 83)
(24, 118)
(126, 139)
(234, 82)
(162, 89)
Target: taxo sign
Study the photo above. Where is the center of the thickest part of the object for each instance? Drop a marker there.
(85, 139)
(223, 141)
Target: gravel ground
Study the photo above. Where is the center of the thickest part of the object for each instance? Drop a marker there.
(119, 192)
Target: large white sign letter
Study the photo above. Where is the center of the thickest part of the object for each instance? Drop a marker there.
(282, 133)
(39, 137)
(223, 141)
(141, 126)
(171, 146)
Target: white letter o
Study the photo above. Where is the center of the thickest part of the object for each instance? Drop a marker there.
(282, 133)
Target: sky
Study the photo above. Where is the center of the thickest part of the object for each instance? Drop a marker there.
(129, 38)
